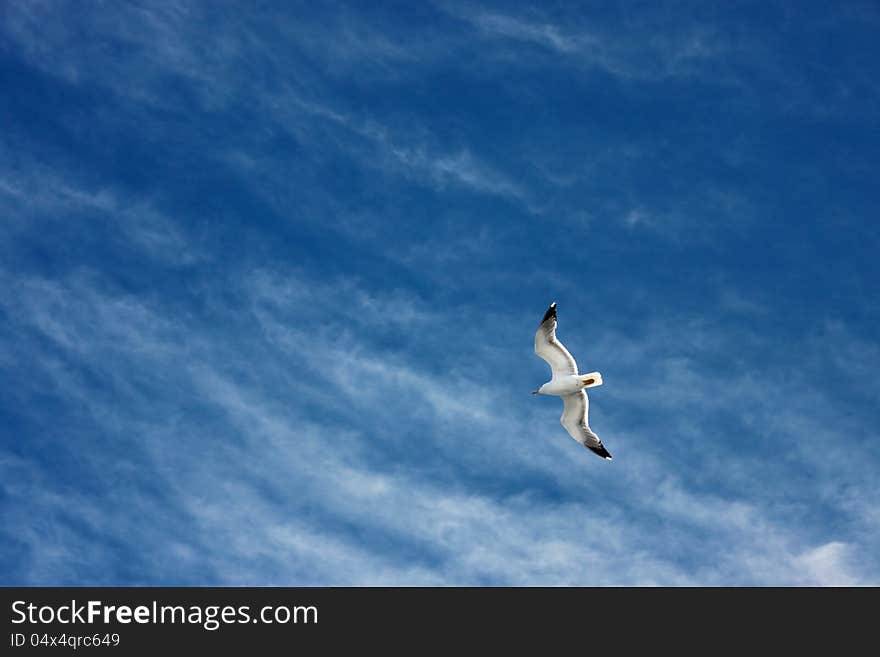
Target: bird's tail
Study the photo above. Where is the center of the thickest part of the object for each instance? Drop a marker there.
(591, 380)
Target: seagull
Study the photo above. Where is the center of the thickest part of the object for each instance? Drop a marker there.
(568, 384)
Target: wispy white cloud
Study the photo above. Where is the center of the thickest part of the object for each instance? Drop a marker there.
(410, 156)
(827, 565)
(631, 54)
(646, 47)
(163, 43)
(542, 33)
(36, 194)
(282, 494)
(293, 430)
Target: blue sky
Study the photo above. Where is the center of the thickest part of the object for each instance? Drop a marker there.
(269, 279)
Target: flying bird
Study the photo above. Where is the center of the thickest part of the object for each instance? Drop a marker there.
(568, 384)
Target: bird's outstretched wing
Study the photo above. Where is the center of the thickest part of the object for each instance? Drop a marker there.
(575, 420)
(552, 350)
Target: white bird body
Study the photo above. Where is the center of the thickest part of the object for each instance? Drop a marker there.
(568, 384)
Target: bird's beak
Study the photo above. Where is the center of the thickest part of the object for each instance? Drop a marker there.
(535, 392)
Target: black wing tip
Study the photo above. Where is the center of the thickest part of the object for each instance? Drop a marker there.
(600, 450)
(551, 312)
